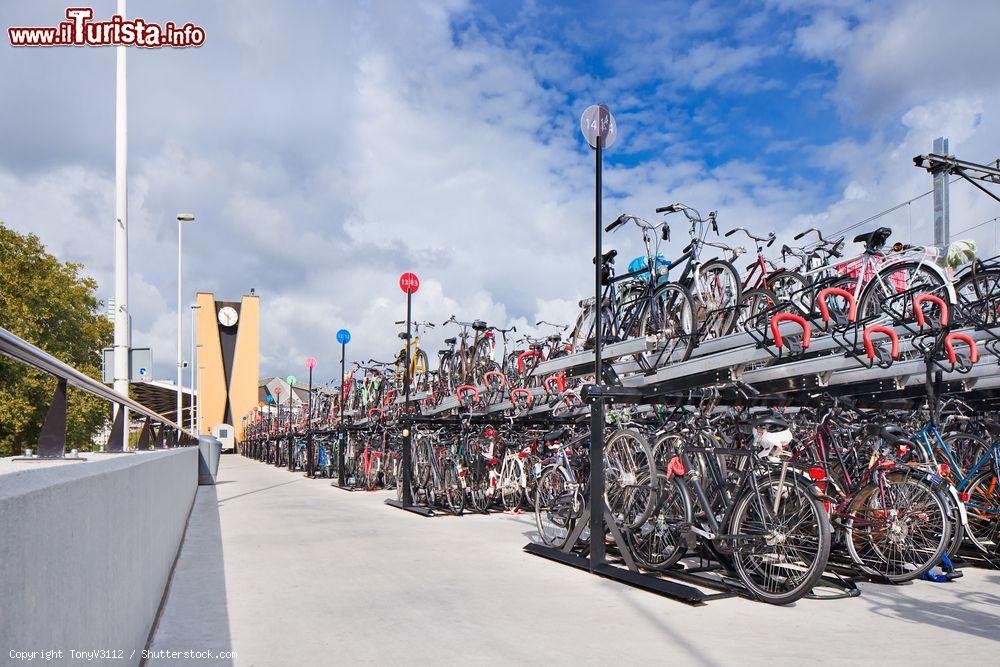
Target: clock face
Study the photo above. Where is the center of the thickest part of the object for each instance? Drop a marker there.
(228, 316)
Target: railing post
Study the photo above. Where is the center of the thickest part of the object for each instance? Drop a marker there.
(116, 440)
(52, 439)
(144, 436)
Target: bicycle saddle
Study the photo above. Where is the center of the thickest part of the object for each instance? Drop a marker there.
(874, 240)
(554, 338)
(450, 341)
(608, 257)
(556, 434)
(479, 325)
(770, 423)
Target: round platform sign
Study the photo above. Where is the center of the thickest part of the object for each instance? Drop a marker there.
(343, 336)
(409, 283)
(597, 121)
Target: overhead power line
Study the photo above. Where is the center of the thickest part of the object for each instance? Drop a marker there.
(885, 212)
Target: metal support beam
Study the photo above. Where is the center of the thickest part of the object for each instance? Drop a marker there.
(942, 217)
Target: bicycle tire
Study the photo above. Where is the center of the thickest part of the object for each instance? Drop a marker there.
(670, 315)
(870, 307)
(775, 568)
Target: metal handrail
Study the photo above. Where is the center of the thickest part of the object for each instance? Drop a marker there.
(21, 350)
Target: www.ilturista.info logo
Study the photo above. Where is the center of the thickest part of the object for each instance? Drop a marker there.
(79, 30)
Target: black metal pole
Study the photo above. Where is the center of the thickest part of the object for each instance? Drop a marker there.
(291, 440)
(277, 433)
(407, 497)
(597, 407)
(340, 422)
(309, 440)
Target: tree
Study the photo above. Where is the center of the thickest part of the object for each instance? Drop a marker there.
(52, 305)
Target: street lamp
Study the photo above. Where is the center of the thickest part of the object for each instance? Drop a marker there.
(181, 219)
(194, 365)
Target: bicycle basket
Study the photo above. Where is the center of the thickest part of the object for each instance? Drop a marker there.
(852, 269)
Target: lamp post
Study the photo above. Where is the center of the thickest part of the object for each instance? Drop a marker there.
(181, 219)
(194, 365)
(310, 364)
(123, 329)
(343, 337)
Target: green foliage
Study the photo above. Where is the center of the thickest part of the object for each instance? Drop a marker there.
(49, 304)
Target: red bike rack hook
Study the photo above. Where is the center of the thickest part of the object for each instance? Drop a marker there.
(824, 308)
(520, 391)
(878, 328)
(465, 389)
(965, 338)
(789, 317)
(941, 304)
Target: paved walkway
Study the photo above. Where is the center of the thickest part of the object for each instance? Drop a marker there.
(288, 571)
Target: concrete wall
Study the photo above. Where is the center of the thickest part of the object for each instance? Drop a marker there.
(86, 550)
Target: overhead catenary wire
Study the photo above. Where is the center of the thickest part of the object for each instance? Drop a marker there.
(976, 226)
(887, 211)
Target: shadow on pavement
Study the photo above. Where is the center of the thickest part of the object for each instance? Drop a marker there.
(196, 617)
(960, 615)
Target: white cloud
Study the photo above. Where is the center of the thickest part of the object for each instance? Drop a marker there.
(325, 153)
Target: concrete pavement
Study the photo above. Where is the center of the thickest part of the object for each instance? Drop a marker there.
(283, 570)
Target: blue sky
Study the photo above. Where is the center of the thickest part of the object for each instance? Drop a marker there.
(328, 147)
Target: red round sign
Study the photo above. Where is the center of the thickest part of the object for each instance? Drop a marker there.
(409, 283)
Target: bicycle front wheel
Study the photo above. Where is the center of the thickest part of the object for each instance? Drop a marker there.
(881, 294)
(898, 528)
(670, 316)
(718, 290)
(556, 512)
(782, 538)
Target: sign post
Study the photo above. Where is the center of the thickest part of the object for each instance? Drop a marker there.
(310, 364)
(599, 129)
(409, 283)
(343, 337)
(291, 428)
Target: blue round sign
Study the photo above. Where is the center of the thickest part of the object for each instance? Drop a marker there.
(270, 399)
(343, 336)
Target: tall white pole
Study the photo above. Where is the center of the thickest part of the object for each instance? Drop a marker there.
(123, 334)
(180, 354)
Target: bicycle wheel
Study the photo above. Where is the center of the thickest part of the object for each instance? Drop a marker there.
(965, 448)
(670, 315)
(454, 494)
(977, 294)
(879, 296)
(628, 458)
(983, 509)
(788, 286)
(557, 507)
(754, 306)
(718, 290)
(420, 367)
(784, 538)
(898, 528)
(511, 493)
(656, 543)
(372, 475)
